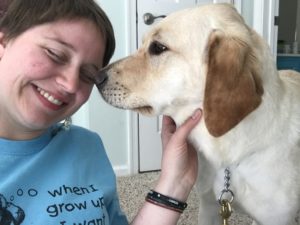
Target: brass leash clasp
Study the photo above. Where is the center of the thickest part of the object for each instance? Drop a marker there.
(225, 211)
(226, 198)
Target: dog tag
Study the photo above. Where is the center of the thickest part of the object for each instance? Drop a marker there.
(225, 211)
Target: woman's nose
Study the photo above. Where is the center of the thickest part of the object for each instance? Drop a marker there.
(69, 80)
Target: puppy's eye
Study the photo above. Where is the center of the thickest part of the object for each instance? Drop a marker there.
(157, 48)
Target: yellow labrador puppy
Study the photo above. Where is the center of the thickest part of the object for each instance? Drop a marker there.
(208, 57)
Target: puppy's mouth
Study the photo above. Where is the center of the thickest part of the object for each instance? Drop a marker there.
(119, 96)
(122, 102)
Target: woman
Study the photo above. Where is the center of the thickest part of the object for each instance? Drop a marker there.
(51, 173)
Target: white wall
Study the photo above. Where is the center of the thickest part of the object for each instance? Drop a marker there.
(247, 12)
(110, 123)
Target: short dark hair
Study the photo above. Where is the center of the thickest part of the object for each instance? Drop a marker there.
(24, 14)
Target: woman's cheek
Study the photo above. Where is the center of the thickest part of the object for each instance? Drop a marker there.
(86, 92)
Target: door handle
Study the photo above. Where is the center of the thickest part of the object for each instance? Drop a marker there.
(149, 18)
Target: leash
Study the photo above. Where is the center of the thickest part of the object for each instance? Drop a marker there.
(226, 198)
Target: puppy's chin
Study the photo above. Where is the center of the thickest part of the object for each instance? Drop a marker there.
(145, 110)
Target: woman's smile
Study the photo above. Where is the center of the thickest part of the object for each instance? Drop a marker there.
(48, 99)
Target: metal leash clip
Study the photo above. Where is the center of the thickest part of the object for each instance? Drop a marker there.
(225, 211)
(226, 198)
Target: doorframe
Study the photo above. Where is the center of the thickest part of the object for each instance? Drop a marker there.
(133, 131)
(264, 13)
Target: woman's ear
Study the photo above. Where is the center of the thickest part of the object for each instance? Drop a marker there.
(2, 44)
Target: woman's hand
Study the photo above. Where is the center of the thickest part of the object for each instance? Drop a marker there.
(179, 161)
(178, 174)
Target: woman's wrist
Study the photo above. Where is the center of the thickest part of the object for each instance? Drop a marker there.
(178, 190)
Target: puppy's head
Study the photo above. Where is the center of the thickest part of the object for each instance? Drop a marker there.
(199, 57)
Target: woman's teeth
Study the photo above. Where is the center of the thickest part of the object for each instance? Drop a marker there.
(49, 97)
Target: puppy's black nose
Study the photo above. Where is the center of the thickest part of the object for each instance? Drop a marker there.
(100, 79)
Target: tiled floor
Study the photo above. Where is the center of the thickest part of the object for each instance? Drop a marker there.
(133, 190)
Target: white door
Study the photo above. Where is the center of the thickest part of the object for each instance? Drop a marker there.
(151, 11)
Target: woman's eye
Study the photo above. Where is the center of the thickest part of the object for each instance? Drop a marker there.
(56, 56)
(86, 79)
(157, 48)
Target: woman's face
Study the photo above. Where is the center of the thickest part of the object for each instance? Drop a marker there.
(43, 75)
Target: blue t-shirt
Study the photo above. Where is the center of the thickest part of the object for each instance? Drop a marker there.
(62, 177)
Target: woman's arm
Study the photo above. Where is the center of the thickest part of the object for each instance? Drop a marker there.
(178, 172)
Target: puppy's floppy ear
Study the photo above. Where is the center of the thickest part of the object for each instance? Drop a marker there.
(233, 87)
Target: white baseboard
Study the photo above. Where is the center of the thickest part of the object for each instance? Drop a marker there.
(122, 171)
